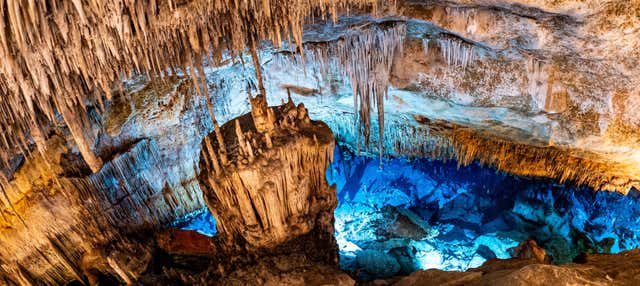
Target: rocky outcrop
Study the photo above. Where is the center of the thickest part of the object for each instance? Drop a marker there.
(589, 269)
(535, 83)
(273, 188)
(71, 222)
(272, 204)
(189, 258)
(61, 223)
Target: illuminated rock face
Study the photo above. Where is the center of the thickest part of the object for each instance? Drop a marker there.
(421, 214)
(59, 220)
(590, 269)
(60, 58)
(496, 83)
(274, 188)
(80, 225)
(548, 89)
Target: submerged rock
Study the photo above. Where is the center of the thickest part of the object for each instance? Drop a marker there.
(377, 264)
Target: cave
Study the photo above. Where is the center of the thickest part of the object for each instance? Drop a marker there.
(307, 142)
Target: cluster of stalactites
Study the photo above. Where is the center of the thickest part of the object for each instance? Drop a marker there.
(365, 56)
(58, 56)
(251, 144)
(455, 52)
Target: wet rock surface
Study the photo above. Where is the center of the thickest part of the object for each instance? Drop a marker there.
(591, 269)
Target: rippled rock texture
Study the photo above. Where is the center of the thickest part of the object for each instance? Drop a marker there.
(273, 188)
(65, 221)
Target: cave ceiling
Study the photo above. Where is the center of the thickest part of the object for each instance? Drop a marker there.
(91, 88)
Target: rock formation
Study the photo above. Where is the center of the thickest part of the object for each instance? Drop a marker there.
(60, 220)
(273, 189)
(119, 117)
(528, 80)
(587, 270)
(56, 65)
(61, 228)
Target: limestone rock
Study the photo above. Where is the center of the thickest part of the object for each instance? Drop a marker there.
(281, 192)
(589, 269)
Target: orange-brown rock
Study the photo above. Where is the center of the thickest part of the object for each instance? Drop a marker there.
(587, 269)
(177, 241)
(274, 188)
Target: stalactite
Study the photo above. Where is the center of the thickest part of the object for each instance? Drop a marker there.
(71, 54)
(537, 76)
(130, 191)
(425, 45)
(258, 67)
(443, 140)
(365, 56)
(4, 185)
(222, 152)
(76, 126)
(455, 52)
(212, 155)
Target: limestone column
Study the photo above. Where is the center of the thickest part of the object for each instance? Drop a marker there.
(274, 190)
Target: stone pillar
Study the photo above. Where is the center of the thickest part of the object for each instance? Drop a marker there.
(274, 191)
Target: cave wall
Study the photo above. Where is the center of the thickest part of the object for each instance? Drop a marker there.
(553, 78)
(529, 83)
(59, 214)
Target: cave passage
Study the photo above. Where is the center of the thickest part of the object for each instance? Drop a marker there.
(423, 213)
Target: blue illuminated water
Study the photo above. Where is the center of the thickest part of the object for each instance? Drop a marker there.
(420, 214)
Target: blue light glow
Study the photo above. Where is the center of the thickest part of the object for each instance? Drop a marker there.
(421, 214)
(201, 221)
(429, 214)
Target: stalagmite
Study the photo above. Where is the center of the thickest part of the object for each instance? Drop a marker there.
(282, 193)
(262, 115)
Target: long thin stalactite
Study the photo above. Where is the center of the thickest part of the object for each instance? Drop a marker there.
(61, 56)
